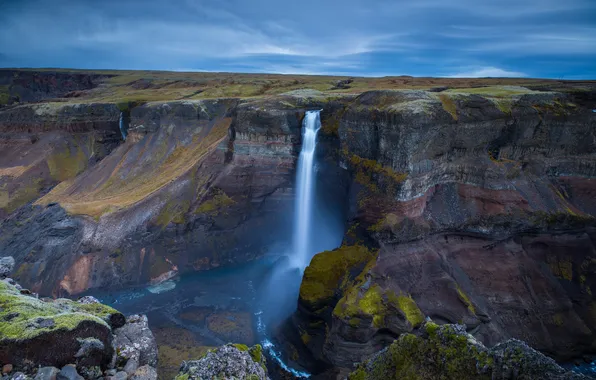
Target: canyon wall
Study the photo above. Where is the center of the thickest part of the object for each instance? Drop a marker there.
(196, 185)
(471, 207)
(465, 209)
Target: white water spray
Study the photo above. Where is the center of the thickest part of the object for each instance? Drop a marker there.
(305, 190)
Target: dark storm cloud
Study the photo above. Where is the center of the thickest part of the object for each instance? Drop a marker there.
(374, 37)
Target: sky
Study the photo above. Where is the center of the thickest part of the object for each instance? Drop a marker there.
(443, 38)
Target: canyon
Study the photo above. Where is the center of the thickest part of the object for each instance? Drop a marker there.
(466, 202)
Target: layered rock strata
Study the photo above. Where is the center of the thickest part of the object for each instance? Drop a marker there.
(476, 210)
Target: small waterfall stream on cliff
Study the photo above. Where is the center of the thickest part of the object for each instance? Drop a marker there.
(123, 125)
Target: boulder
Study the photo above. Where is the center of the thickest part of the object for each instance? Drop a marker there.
(232, 361)
(47, 373)
(135, 341)
(53, 333)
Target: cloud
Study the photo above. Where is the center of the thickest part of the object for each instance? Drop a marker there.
(547, 38)
(490, 71)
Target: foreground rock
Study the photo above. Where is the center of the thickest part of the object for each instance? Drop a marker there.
(135, 343)
(447, 351)
(232, 361)
(85, 339)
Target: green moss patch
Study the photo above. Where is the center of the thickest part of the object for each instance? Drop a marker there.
(25, 317)
(466, 300)
(323, 277)
(4, 94)
(443, 353)
(256, 353)
(369, 303)
(448, 352)
(173, 212)
(218, 202)
(411, 311)
(371, 173)
(67, 164)
(449, 105)
(494, 91)
(28, 191)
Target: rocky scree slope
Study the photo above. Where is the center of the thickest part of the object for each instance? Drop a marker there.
(466, 209)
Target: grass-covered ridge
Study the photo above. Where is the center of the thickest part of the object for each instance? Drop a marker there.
(126, 86)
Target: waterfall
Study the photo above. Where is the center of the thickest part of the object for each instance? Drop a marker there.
(123, 127)
(305, 186)
(284, 281)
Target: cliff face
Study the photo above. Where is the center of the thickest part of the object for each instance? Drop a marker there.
(481, 211)
(44, 144)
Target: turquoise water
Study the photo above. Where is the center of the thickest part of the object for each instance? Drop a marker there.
(241, 289)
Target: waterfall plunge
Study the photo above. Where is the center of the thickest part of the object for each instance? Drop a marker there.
(305, 186)
(316, 228)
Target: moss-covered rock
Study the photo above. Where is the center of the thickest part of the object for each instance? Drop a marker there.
(51, 333)
(323, 277)
(232, 361)
(448, 352)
